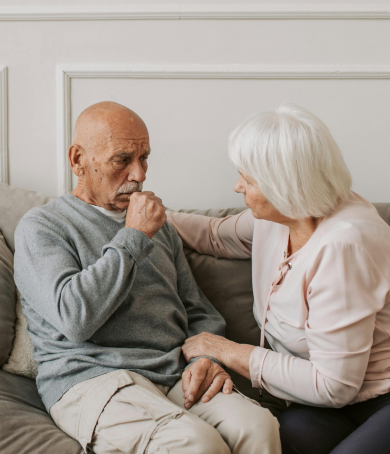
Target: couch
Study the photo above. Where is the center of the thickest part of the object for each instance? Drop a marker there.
(25, 426)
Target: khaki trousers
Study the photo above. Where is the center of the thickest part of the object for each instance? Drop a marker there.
(123, 412)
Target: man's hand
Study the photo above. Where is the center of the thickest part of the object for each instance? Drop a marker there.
(146, 213)
(204, 378)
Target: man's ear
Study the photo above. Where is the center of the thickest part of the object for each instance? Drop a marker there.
(76, 156)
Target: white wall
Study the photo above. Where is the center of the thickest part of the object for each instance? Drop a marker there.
(56, 68)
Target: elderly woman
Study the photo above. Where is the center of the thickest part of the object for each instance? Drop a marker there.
(321, 283)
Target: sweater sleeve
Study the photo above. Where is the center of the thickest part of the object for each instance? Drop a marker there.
(345, 292)
(229, 237)
(201, 314)
(76, 301)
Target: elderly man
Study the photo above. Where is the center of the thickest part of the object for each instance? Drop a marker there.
(110, 300)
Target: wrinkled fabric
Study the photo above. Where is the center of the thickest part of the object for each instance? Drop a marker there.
(123, 412)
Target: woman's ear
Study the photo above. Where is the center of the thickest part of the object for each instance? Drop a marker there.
(76, 156)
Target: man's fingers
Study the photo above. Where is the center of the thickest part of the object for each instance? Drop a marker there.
(215, 387)
(186, 378)
(156, 199)
(206, 379)
(193, 388)
(228, 386)
(193, 395)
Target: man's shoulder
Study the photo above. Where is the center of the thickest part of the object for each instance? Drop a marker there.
(168, 236)
(45, 214)
(169, 232)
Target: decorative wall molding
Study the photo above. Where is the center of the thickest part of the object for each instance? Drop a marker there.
(4, 166)
(195, 12)
(65, 74)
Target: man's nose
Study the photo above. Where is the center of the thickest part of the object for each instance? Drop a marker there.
(137, 173)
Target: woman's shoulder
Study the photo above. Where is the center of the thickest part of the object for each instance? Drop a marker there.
(355, 216)
(356, 222)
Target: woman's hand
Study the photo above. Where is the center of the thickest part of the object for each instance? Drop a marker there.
(230, 354)
(207, 344)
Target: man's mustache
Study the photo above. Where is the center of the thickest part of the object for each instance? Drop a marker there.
(129, 188)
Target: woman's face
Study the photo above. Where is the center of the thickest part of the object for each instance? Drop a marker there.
(255, 199)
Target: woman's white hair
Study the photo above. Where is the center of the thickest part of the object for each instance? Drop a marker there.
(294, 160)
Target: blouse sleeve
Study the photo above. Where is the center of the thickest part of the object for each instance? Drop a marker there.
(345, 292)
(229, 237)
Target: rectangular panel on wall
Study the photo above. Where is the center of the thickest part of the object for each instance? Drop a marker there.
(190, 118)
(4, 171)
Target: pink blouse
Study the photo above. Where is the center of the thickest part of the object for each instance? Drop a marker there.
(326, 307)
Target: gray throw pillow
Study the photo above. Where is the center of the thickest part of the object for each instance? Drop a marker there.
(7, 301)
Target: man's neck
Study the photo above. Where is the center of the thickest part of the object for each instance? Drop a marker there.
(81, 193)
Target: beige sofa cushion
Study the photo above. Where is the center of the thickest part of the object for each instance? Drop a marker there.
(25, 426)
(14, 204)
(384, 211)
(20, 361)
(228, 285)
(7, 301)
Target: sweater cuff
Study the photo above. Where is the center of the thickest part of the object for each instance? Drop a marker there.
(137, 244)
(256, 364)
(204, 356)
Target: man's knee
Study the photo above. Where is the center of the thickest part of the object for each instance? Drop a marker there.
(208, 440)
(254, 421)
(246, 425)
(189, 434)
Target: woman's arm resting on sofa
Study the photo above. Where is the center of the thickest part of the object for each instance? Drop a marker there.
(229, 237)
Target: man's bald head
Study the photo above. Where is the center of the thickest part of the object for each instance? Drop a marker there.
(109, 155)
(97, 123)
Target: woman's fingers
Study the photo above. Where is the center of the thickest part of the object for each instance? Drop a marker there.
(191, 349)
(186, 352)
(207, 344)
(198, 345)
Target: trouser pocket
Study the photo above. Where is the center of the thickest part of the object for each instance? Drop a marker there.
(131, 418)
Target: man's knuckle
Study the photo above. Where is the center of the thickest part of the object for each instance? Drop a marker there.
(203, 386)
(203, 360)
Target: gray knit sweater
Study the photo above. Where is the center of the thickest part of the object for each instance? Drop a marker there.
(100, 297)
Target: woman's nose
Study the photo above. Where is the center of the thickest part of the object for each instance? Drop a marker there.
(238, 187)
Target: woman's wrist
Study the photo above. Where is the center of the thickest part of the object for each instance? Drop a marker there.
(236, 357)
(227, 352)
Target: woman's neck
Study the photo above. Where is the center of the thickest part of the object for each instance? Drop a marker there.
(301, 231)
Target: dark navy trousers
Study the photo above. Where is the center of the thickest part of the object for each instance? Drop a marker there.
(361, 428)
